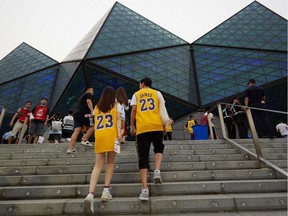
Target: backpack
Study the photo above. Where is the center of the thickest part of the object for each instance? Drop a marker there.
(69, 125)
(204, 119)
(56, 125)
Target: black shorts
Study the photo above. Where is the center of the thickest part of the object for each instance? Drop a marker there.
(144, 141)
(80, 120)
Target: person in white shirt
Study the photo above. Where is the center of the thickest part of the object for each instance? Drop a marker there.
(207, 111)
(68, 126)
(121, 98)
(283, 129)
(6, 136)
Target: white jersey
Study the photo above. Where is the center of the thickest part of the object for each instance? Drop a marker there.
(282, 128)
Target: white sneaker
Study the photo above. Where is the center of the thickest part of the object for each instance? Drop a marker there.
(86, 143)
(106, 196)
(89, 205)
(69, 151)
(157, 177)
(144, 196)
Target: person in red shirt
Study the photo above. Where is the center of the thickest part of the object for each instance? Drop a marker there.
(40, 118)
(21, 113)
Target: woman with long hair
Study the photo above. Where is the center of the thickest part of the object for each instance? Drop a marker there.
(107, 129)
(122, 99)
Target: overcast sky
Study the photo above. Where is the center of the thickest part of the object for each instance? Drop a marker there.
(54, 27)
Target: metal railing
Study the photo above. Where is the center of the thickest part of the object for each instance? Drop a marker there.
(3, 111)
(261, 160)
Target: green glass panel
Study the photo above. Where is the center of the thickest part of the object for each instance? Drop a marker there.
(65, 73)
(231, 68)
(31, 87)
(21, 61)
(100, 80)
(254, 27)
(159, 65)
(69, 98)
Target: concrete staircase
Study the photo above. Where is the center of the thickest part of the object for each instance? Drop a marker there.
(199, 177)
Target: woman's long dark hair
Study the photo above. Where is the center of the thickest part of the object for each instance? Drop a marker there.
(107, 100)
(121, 96)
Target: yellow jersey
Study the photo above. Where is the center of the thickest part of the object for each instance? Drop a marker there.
(189, 126)
(105, 130)
(147, 112)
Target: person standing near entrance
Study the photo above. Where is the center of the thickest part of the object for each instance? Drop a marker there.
(169, 130)
(283, 129)
(146, 111)
(40, 119)
(189, 126)
(68, 126)
(82, 113)
(255, 97)
(240, 118)
(229, 122)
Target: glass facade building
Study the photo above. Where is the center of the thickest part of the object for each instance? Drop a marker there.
(124, 47)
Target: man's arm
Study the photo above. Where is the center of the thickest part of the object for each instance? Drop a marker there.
(13, 119)
(132, 119)
(47, 117)
(90, 105)
(246, 101)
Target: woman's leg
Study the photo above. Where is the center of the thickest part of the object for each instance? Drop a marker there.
(99, 162)
(109, 168)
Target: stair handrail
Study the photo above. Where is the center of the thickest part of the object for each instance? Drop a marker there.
(259, 156)
(2, 115)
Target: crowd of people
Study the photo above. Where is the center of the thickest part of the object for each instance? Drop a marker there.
(235, 117)
(149, 123)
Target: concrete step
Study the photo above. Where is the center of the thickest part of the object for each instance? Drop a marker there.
(49, 158)
(262, 140)
(90, 152)
(156, 205)
(275, 156)
(167, 188)
(87, 168)
(126, 146)
(266, 145)
(133, 177)
(119, 160)
(199, 176)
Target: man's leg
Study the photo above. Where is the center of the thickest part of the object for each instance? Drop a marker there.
(89, 132)
(257, 122)
(30, 138)
(74, 137)
(144, 176)
(158, 160)
(36, 139)
(158, 150)
(143, 149)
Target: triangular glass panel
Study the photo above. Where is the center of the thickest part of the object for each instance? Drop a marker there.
(138, 30)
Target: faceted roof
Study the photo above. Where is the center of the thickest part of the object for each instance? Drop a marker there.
(23, 60)
(122, 30)
(255, 27)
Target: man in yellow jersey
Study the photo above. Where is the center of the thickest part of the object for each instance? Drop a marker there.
(145, 110)
(169, 130)
(191, 122)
